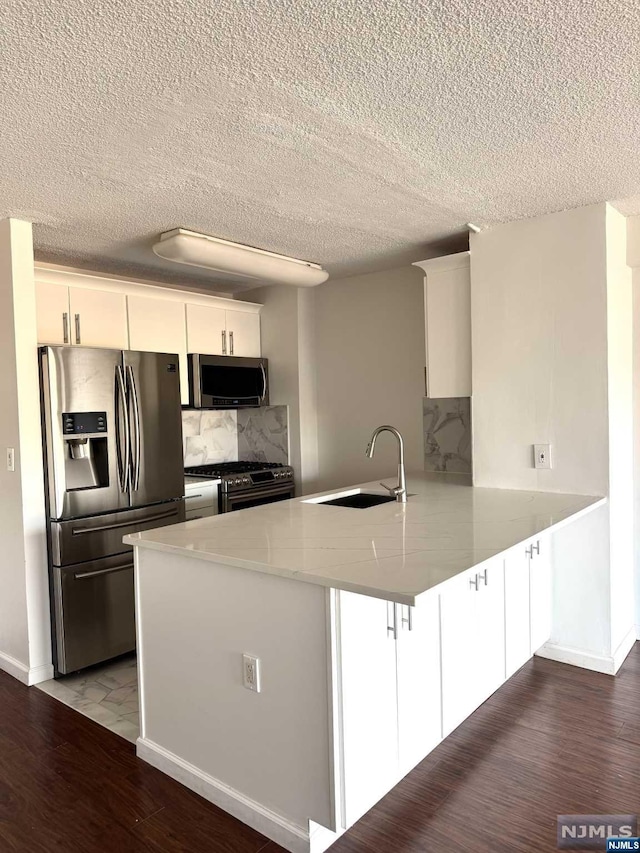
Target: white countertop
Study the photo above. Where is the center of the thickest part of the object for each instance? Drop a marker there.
(203, 481)
(392, 551)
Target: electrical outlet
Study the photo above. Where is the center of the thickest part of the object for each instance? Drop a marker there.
(251, 673)
(542, 456)
(11, 459)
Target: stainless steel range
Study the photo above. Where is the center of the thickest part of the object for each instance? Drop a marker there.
(247, 484)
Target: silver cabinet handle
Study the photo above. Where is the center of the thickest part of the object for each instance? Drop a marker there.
(392, 617)
(408, 621)
(533, 548)
(65, 327)
(192, 497)
(483, 576)
(77, 319)
(224, 342)
(230, 343)
(474, 582)
(82, 575)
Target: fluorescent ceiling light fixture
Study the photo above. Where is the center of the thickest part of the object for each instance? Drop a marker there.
(245, 262)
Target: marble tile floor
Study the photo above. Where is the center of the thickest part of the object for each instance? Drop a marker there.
(106, 693)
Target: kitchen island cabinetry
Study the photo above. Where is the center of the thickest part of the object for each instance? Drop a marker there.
(356, 618)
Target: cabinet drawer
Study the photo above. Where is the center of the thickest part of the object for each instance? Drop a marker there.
(199, 497)
(203, 512)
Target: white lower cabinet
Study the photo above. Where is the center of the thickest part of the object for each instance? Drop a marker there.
(201, 500)
(516, 610)
(369, 701)
(473, 641)
(418, 681)
(408, 676)
(539, 558)
(390, 691)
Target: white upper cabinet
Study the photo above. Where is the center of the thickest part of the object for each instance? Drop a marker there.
(98, 318)
(52, 312)
(217, 331)
(243, 333)
(158, 325)
(81, 316)
(78, 308)
(206, 329)
(447, 301)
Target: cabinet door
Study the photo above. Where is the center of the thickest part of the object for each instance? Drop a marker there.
(158, 325)
(52, 312)
(458, 636)
(418, 673)
(516, 609)
(489, 625)
(206, 330)
(243, 334)
(98, 318)
(540, 593)
(472, 637)
(448, 330)
(369, 701)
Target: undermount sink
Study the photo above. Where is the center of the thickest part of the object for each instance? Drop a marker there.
(355, 500)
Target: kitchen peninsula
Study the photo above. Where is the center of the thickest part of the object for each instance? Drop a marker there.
(376, 632)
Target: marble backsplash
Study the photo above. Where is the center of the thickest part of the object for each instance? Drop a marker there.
(248, 435)
(209, 436)
(447, 434)
(263, 435)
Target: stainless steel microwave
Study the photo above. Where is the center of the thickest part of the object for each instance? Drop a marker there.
(227, 382)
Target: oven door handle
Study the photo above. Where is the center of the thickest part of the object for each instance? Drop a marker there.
(256, 494)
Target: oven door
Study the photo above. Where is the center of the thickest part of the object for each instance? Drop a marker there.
(255, 497)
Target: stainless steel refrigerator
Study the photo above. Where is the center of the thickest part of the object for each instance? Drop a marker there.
(114, 465)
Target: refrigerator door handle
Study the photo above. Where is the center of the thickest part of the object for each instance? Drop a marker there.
(122, 411)
(137, 441)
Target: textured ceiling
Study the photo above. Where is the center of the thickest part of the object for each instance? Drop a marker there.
(354, 133)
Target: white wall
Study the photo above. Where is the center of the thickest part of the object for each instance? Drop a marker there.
(633, 259)
(24, 600)
(370, 356)
(551, 364)
(539, 303)
(287, 329)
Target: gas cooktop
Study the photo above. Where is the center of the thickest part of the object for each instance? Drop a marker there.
(224, 469)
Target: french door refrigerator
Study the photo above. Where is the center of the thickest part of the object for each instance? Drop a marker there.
(114, 465)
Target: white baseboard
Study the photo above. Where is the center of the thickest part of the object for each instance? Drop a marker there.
(290, 836)
(22, 672)
(14, 667)
(607, 664)
(620, 654)
(38, 674)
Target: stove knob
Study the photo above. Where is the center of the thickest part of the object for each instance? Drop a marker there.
(246, 480)
(237, 481)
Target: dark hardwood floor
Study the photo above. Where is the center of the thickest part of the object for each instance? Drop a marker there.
(554, 740)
